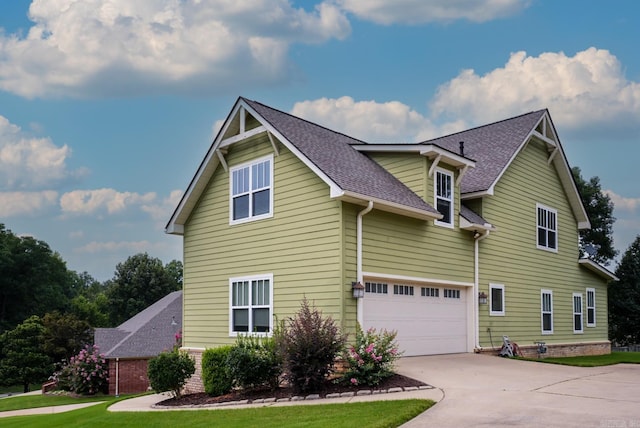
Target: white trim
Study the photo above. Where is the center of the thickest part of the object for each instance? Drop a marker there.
(502, 303)
(415, 279)
(242, 136)
(429, 150)
(249, 165)
(383, 205)
(434, 165)
(452, 199)
(597, 268)
(557, 240)
(250, 278)
(590, 290)
(574, 313)
(542, 312)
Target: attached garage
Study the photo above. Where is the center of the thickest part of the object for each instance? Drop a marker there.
(429, 319)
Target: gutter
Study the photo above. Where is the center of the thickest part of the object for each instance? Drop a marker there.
(476, 287)
(360, 277)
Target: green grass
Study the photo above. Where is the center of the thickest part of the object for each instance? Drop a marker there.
(17, 389)
(368, 414)
(31, 401)
(594, 360)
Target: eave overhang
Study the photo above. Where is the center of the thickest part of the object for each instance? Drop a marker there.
(431, 151)
(598, 269)
(382, 205)
(467, 225)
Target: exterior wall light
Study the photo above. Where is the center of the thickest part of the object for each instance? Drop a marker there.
(482, 298)
(358, 290)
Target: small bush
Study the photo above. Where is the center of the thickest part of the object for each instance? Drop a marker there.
(309, 344)
(372, 358)
(216, 376)
(86, 373)
(254, 362)
(169, 371)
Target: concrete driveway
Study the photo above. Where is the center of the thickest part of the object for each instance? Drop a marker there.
(487, 391)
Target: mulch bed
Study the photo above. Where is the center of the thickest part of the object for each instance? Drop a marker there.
(329, 387)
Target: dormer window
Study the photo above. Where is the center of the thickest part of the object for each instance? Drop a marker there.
(444, 197)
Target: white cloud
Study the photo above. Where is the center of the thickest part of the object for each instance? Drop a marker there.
(160, 212)
(588, 89)
(421, 11)
(31, 163)
(121, 246)
(99, 200)
(106, 47)
(26, 203)
(621, 202)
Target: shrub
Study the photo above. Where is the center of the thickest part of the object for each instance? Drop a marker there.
(309, 345)
(253, 362)
(372, 358)
(86, 373)
(169, 371)
(216, 376)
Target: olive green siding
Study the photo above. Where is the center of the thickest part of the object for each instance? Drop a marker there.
(509, 256)
(301, 245)
(410, 168)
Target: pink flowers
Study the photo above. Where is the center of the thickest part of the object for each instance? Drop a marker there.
(354, 381)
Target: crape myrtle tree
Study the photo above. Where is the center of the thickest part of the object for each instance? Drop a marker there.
(140, 281)
(624, 298)
(599, 209)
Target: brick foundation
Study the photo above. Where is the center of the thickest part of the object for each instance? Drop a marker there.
(559, 349)
(194, 383)
(131, 377)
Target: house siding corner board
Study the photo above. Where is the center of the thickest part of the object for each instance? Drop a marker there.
(299, 245)
(511, 257)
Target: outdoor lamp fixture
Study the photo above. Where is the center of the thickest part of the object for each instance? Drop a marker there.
(482, 298)
(358, 290)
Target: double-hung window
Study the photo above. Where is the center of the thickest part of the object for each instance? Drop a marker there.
(252, 190)
(591, 307)
(251, 304)
(496, 297)
(547, 228)
(577, 313)
(546, 309)
(444, 197)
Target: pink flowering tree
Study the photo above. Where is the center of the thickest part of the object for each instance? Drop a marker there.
(372, 358)
(86, 373)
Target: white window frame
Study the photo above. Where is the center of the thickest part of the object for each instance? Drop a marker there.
(544, 225)
(235, 193)
(251, 305)
(450, 199)
(544, 312)
(500, 287)
(592, 306)
(577, 311)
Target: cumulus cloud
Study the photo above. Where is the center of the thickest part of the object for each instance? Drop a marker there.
(101, 200)
(587, 89)
(372, 121)
(26, 203)
(107, 47)
(161, 211)
(121, 246)
(621, 202)
(31, 163)
(420, 11)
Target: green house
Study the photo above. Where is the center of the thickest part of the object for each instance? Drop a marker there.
(456, 241)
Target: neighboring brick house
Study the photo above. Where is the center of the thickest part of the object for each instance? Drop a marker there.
(129, 346)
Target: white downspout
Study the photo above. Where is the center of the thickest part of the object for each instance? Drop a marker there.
(476, 287)
(117, 379)
(360, 279)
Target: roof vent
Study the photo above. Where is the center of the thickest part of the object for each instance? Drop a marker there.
(461, 148)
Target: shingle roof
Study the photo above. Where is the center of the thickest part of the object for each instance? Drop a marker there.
(471, 216)
(491, 146)
(146, 334)
(332, 153)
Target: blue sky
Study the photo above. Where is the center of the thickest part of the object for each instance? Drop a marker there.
(107, 107)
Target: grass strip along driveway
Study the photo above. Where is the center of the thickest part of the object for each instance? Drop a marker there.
(594, 360)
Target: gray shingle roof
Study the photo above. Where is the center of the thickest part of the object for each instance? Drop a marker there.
(332, 153)
(146, 334)
(491, 146)
(471, 216)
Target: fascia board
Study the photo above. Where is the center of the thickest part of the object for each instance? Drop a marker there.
(422, 149)
(416, 279)
(387, 206)
(597, 268)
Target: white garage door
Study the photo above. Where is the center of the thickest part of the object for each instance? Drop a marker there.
(429, 320)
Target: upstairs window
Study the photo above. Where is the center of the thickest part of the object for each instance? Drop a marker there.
(444, 197)
(547, 228)
(252, 191)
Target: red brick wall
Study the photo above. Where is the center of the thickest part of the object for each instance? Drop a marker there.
(132, 376)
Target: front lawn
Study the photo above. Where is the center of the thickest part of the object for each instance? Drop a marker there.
(368, 414)
(594, 360)
(32, 401)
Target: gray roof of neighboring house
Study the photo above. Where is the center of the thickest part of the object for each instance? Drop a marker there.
(491, 146)
(332, 153)
(146, 334)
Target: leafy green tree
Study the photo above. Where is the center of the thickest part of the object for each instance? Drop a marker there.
(624, 298)
(23, 360)
(600, 212)
(33, 279)
(95, 311)
(65, 335)
(138, 282)
(175, 269)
